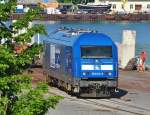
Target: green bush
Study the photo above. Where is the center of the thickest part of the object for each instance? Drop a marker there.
(35, 102)
(17, 97)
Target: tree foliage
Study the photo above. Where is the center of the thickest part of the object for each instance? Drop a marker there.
(11, 34)
(35, 102)
(17, 96)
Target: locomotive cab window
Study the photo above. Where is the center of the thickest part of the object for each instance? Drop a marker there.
(96, 51)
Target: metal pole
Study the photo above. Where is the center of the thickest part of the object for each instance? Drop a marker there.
(38, 38)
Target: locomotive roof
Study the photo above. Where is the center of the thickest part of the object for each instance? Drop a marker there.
(68, 37)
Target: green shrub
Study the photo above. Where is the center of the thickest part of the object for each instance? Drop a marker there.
(17, 97)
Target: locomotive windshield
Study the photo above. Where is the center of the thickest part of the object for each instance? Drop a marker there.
(96, 51)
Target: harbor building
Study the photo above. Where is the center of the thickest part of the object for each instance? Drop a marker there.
(130, 6)
(48, 6)
(117, 6)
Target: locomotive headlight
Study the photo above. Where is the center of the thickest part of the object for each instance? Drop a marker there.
(109, 73)
(84, 73)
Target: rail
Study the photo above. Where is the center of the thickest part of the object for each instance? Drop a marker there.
(113, 104)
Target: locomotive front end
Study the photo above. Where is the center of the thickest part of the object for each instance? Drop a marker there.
(98, 68)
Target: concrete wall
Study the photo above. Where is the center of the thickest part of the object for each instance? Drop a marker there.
(126, 49)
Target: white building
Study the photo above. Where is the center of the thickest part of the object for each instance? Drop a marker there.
(130, 6)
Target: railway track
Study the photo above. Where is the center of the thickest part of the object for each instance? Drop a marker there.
(122, 107)
(111, 104)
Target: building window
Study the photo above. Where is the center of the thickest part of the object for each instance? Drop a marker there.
(148, 6)
(114, 6)
(138, 7)
(131, 6)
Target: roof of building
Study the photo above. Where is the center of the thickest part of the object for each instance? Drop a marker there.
(34, 1)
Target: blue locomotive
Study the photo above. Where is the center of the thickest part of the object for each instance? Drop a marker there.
(83, 62)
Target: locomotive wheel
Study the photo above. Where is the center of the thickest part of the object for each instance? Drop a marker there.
(50, 80)
(61, 85)
(69, 89)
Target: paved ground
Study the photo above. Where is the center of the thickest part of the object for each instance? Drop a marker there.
(134, 81)
(133, 98)
(72, 107)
